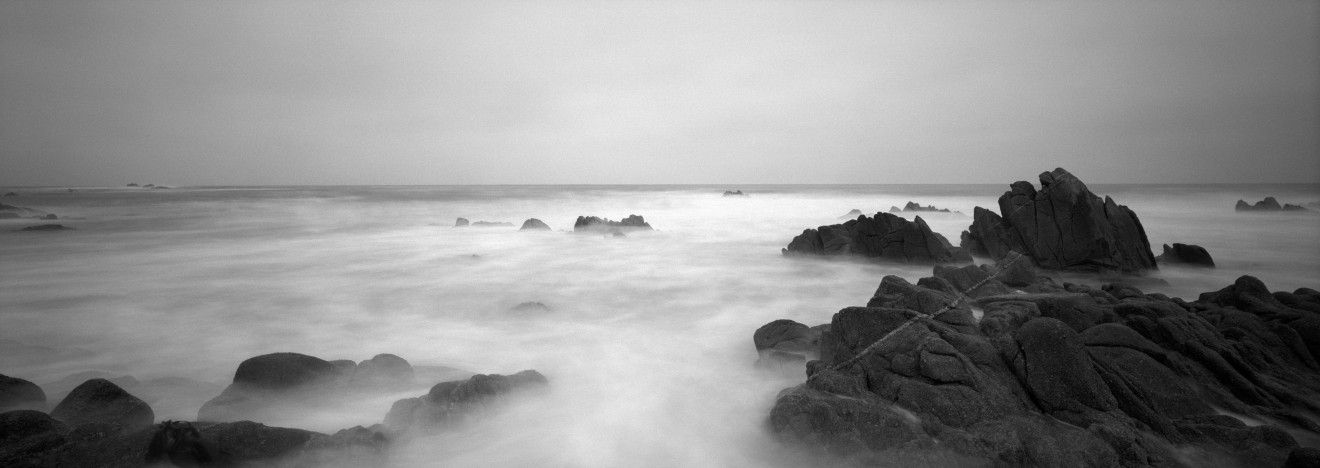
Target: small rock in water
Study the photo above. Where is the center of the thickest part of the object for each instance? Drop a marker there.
(47, 227)
(736, 193)
(534, 224)
(461, 222)
(1193, 255)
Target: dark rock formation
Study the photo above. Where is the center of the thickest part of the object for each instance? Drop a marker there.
(291, 383)
(449, 404)
(11, 211)
(1268, 204)
(1063, 226)
(594, 224)
(1185, 254)
(47, 227)
(786, 345)
(885, 237)
(530, 308)
(1061, 376)
(461, 222)
(100, 401)
(737, 193)
(133, 184)
(11, 194)
(853, 214)
(916, 207)
(50, 216)
(534, 224)
(16, 394)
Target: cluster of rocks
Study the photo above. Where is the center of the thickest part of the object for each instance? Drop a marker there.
(736, 193)
(1268, 204)
(463, 222)
(885, 236)
(149, 186)
(592, 224)
(101, 424)
(912, 207)
(1055, 374)
(17, 212)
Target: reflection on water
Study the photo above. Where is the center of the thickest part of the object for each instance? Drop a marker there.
(647, 340)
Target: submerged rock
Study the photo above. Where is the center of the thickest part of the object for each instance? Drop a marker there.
(534, 224)
(1185, 254)
(1063, 226)
(884, 237)
(450, 404)
(737, 193)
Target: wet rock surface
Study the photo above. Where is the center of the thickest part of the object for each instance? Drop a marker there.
(1061, 226)
(1185, 254)
(885, 237)
(450, 404)
(595, 224)
(1059, 375)
(288, 383)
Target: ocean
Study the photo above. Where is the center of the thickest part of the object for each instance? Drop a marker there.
(647, 340)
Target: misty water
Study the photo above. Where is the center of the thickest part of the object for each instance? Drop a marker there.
(647, 340)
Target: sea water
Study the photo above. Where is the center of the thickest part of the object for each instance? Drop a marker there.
(647, 340)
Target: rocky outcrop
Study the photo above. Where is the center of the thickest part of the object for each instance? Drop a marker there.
(450, 404)
(11, 211)
(594, 224)
(534, 224)
(1063, 226)
(16, 394)
(1185, 254)
(1268, 204)
(736, 193)
(914, 207)
(852, 214)
(884, 237)
(460, 222)
(285, 383)
(100, 401)
(47, 227)
(1059, 375)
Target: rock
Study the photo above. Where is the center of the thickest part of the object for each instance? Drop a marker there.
(178, 443)
(737, 193)
(1268, 204)
(1063, 226)
(272, 381)
(534, 224)
(384, 369)
(47, 227)
(245, 441)
(11, 194)
(461, 222)
(884, 237)
(1078, 311)
(11, 211)
(149, 186)
(450, 404)
(1193, 255)
(852, 214)
(530, 307)
(19, 394)
(100, 401)
(1059, 372)
(594, 224)
(1303, 457)
(279, 371)
(787, 335)
(132, 184)
(50, 216)
(915, 207)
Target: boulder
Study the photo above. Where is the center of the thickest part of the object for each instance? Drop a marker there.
(246, 441)
(1184, 254)
(16, 394)
(534, 224)
(384, 369)
(450, 404)
(279, 371)
(100, 401)
(595, 224)
(460, 222)
(1063, 226)
(788, 336)
(884, 237)
(282, 385)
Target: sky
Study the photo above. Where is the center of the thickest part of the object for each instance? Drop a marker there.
(395, 92)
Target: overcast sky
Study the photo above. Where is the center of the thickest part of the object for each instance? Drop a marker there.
(107, 92)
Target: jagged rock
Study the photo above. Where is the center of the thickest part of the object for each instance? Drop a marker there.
(1194, 255)
(594, 224)
(916, 207)
(736, 193)
(460, 222)
(853, 214)
(450, 404)
(885, 237)
(1268, 204)
(47, 227)
(16, 394)
(100, 401)
(1078, 311)
(534, 224)
(1063, 226)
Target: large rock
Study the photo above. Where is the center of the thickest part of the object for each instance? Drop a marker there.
(1184, 254)
(16, 393)
(534, 224)
(100, 401)
(595, 224)
(450, 404)
(1268, 204)
(282, 386)
(1063, 226)
(279, 371)
(885, 237)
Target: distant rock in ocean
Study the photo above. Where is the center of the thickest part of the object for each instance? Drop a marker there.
(1268, 204)
(11, 211)
(47, 227)
(534, 224)
(461, 222)
(852, 214)
(883, 237)
(11, 194)
(1193, 255)
(595, 224)
(914, 207)
(737, 193)
(1063, 226)
(132, 184)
